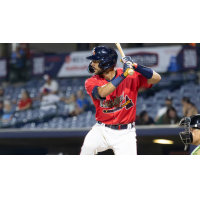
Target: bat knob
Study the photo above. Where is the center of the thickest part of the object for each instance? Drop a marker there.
(131, 72)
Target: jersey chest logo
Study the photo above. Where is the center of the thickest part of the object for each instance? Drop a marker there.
(118, 103)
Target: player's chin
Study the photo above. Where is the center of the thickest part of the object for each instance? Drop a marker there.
(97, 72)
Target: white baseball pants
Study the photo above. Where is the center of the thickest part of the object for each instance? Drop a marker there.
(101, 138)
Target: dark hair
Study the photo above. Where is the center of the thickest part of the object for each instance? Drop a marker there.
(166, 117)
(140, 118)
(169, 109)
(143, 113)
(186, 99)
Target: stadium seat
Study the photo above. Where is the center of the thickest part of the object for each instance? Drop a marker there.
(29, 126)
(36, 104)
(40, 125)
(176, 77)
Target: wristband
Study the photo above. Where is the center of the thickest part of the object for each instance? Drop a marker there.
(145, 71)
(118, 80)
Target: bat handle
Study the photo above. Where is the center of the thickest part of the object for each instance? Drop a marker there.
(131, 72)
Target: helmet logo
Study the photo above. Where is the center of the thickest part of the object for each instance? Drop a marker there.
(93, 53)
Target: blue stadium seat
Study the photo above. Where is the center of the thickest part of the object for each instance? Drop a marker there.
(29, 126)
(153, 115)
(40, 125)
(176, 77)
(140, 100)
(58, 120)
(46, 125)
(36, 103)
(67, 125)
(52, 125)
(177, 104)
(164, 82)
(191, 76)
(180, 113)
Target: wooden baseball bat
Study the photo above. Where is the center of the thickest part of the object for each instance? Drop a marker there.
(130, 71)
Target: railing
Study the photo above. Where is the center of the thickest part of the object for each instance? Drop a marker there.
(161, 130)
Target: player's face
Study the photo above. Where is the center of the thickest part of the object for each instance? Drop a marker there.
(196, 136)
(95, 65)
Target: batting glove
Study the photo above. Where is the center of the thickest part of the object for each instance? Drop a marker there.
(129, 61)
(126, 66)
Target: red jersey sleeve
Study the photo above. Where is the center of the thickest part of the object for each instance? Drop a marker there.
(142, 82)
(89, 86)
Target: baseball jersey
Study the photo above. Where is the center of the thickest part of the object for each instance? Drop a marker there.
(120, 106)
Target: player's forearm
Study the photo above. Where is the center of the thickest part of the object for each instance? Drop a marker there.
(151, 76)
(106, 90)
(155, 78)
(110, 87)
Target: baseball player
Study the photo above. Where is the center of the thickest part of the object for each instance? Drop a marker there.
(191, 135)
(114, 94)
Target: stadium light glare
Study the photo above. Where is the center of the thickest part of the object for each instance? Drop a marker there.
(163, 141)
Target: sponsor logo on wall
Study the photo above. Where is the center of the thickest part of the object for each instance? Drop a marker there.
(146, 59)
(75, 65)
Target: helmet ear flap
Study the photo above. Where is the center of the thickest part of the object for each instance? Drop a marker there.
(90, 68)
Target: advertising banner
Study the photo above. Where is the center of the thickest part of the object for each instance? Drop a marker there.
(75, 64)
(159, 59)
(188, 58)
(54, 63)
(50, 64)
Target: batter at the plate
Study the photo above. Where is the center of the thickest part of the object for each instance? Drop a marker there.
(114, 93)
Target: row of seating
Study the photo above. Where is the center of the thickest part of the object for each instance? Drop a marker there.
(151, 104)
(87, 119)
(167, 80)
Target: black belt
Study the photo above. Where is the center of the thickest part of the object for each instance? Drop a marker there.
(118, 127)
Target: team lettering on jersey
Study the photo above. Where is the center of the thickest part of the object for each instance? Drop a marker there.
(118, 103)
(120, 106)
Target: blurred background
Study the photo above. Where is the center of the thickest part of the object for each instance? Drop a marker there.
(44, 108)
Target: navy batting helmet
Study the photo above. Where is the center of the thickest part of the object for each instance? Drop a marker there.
(106, 55)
